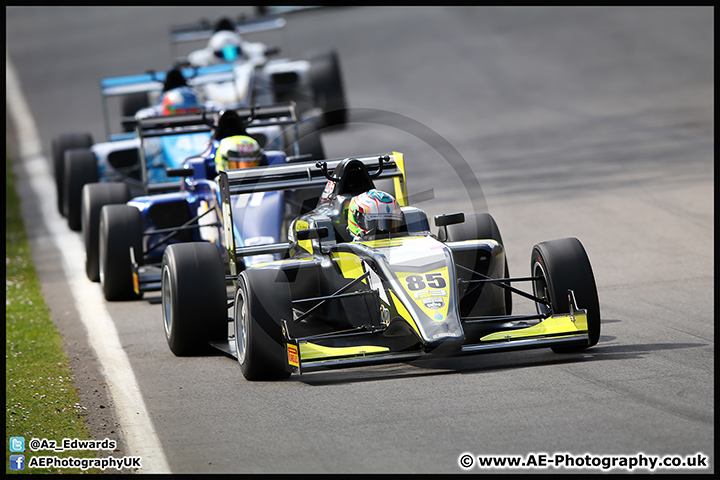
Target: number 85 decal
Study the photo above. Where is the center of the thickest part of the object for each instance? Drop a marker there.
(420, 282)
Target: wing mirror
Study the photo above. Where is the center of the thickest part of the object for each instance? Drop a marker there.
(270, 51)
(179, 172)
(442, 221)
(308, 233)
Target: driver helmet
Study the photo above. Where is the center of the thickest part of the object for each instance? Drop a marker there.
(179, 100)
(237, 151)
(226, 45)
(373, 210)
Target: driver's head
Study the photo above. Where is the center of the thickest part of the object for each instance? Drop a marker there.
(226, 45)
(180, 100)
(373, 211)
(238, 151)
(174, 78)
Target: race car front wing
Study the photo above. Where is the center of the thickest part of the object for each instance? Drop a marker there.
(308, 354)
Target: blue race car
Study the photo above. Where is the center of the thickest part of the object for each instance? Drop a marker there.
(125, 241)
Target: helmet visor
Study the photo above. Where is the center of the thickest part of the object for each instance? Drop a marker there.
(228, 53)
(380, 222)
(247, 163)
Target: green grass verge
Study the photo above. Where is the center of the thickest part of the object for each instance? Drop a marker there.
(40, 401)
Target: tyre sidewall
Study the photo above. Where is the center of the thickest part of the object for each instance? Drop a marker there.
(193, 277)
(120, 228)
(566, 267)
(267, 300)
(80, 169)
(59, 146)
(94, 197)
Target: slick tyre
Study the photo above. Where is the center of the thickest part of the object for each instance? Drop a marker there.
(481, 226)
(328, 89)
(562, 265)
(262, 298)
(94, 197)
(132, 103)
(120, 228)
(80, 169)
(194, 297)
(59, 146)
(308, 138)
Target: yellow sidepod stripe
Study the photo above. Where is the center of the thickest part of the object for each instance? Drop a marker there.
(556, 325)
(402, 311)
(349, 263)
(312, 351)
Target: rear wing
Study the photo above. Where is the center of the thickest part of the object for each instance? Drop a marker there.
(204, 29)
(258, 115)
(188, 123)
(152, 81)
(293, 176)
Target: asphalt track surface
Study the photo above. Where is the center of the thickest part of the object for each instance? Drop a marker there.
(595, 123)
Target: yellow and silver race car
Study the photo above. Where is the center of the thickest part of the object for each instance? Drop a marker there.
(334, 301)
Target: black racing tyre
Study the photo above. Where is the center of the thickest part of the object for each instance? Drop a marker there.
(262, 298)
(94, 197)
(563, 265)
(133, 102)
(80, 169)
(59, 146)
(121, 227)
(309, 139)
(328, 89)
(194, 297)
(481, 226)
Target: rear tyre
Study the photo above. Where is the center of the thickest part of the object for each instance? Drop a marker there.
(194, 297)
(94, 197)
(481, 226)
(563, 265)
(308, 137)
(262, 298)
(80, 169)
(59, 146)
(120, 227)
(328, 87)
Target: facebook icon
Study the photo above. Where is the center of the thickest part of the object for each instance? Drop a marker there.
(17, 462)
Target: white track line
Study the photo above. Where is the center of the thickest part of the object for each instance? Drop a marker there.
(134, 420)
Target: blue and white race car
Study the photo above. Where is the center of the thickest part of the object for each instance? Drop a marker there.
(314, 82)
(125, 238)
(78, 161)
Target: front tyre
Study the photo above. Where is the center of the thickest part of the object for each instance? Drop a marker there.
(262, 299)
(562, 265)
(121, 227)
(194, 297)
